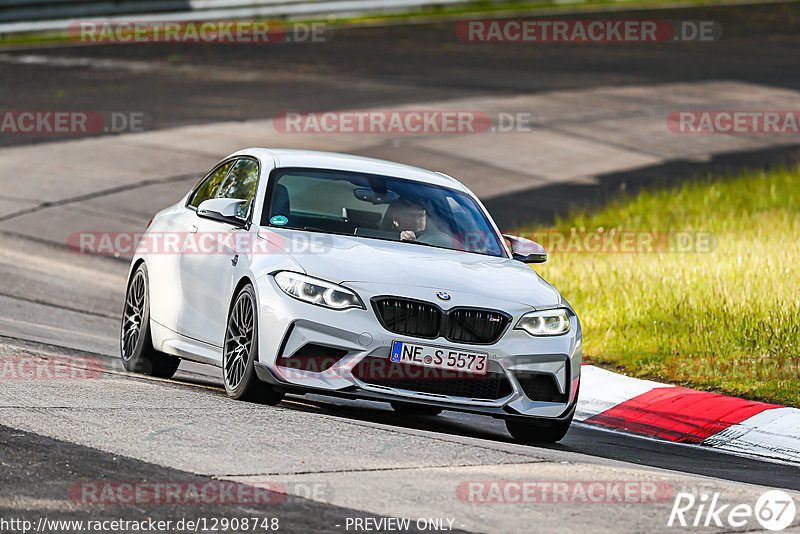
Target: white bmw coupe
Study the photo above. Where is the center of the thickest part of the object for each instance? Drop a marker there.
(297, 271)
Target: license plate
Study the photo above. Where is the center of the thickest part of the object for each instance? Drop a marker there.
(439, 358)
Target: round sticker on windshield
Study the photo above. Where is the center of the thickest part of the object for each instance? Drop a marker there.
(278, 220)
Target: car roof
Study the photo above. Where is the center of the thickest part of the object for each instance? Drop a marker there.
(284, 157)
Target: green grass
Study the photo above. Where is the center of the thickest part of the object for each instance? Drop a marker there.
(473, 9)
(725, 321)
(515, 7)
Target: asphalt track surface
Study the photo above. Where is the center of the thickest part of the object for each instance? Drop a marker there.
(363, 67)
(57, 304)
(56, 465)
(180, 84)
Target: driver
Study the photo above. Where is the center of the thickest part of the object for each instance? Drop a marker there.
(410, 220)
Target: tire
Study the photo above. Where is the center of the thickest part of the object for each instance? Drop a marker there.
(538, 432)
(240, 352)
(408, 408)
(135, 338)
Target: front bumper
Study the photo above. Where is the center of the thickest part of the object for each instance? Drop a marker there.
(288, 325)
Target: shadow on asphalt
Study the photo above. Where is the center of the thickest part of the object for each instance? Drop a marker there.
(582, 438)
(543, 204)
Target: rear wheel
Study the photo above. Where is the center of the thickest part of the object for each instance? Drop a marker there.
(538, 432)
(136, 342)
(240, 352)
(409, 408)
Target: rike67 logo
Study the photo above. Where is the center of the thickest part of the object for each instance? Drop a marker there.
(774, 510)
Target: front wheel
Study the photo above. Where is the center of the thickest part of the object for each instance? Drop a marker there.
(136, 341)
(240, 352)
(538, 432)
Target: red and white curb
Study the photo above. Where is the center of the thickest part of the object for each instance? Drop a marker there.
(689, 416)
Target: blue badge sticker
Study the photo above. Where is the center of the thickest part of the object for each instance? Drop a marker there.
(397, 348)
(278, 220)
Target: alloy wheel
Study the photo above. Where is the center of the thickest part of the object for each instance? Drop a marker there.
(132, 318)
(238, 341)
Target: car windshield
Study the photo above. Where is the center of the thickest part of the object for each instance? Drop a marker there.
(380, 207)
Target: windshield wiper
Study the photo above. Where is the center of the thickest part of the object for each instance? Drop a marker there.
(423, 244)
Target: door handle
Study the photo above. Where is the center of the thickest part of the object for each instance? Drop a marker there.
(193, 229)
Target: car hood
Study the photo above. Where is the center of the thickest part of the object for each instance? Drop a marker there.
(343, 259)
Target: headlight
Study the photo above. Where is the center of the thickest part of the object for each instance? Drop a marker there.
(315, 291)
(545, 322)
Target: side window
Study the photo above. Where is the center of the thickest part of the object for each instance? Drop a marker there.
(241, 183)
(210, 186)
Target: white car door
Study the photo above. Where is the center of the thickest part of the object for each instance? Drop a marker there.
(172, 226)
(208, 270)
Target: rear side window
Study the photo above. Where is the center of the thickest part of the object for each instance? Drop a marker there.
(241, 183)
(210, 186)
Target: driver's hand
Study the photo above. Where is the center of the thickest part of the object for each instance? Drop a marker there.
(408, 235)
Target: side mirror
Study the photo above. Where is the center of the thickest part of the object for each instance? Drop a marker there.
(222, 209)
(526, 250)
